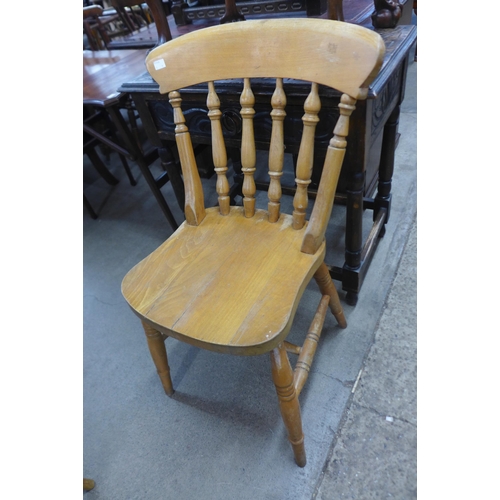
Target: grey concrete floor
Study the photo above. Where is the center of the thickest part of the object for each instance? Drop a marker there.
(221, 435)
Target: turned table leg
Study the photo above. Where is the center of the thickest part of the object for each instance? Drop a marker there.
(336, 10)
(232, 13)
(354, 232)
(156, 344)
(288, 401)
(386, 168)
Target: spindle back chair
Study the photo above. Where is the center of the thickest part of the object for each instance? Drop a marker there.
(230, 278)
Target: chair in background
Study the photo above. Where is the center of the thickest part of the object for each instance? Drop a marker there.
(98, 131)
(100, 28)
(185, 12)
(141, 30)
(230, 278)
(134, 13)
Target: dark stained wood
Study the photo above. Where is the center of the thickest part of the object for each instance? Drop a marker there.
(387, 14)
(103, 73)
(167, 27)
(336, 10)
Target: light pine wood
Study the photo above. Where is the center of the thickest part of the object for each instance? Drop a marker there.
(276, 150)
(248, 155)
(218, 288)
(323, 205)
(304, 49)
(230, 279)
(288, 401)
(88, 484)
(194, 208)
(305, 159)
(303, 365)
(156, 344)
(326, 286)
(219, 154)
(293, 348)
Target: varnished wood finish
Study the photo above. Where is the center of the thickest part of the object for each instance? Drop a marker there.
(220, 289)
(314, 56)
(322, 210)
(308, 350)
(88, 484)
(326, 286)
(219, 154)
(336, 10)
(288, 401)
(232, 13)
(156, 344)
(248, 155)
(104, 71)
(276, 150)
(306, 157)
(231, 280)
(194, 208)
(387, 13)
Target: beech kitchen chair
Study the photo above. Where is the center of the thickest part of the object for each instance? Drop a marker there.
(230, 278)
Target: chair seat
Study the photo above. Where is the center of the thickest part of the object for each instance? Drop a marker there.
(212, 286)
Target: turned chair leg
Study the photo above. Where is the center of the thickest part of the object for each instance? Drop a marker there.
(326, 286)
(289, 402)
(156, 344)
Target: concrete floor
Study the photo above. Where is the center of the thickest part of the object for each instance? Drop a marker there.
(221, 435)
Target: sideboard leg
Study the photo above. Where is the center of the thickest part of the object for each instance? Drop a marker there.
(386, 168)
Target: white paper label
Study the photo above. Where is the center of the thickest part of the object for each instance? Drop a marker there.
(159, 64)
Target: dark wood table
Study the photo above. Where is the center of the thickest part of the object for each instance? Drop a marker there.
(104, 71)
(365, 181)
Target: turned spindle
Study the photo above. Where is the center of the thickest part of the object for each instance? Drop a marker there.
(315, 232)
(276, 151)
(194, 205)
(305, 159)
(248, 157)
(219, 154)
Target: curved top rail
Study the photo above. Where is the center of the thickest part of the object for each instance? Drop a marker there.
(332, 53)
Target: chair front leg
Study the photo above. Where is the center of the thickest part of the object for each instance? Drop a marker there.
(289, 402)
(156, 344)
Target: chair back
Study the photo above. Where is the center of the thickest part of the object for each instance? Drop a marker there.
(339, 55)
(133, 19)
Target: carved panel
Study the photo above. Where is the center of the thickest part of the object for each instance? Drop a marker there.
(245, 8)
(384, 104)
(198, 121)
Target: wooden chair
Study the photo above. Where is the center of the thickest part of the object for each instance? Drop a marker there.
(98, 27)
(230, 278)
(134, 13)
(98, 131)
(141, 30)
